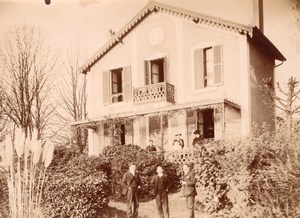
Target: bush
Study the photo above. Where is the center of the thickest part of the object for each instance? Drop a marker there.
(257, 176)
(62, 155)
(120, 155)
(79, 186)
(4, 206)
(212, 184)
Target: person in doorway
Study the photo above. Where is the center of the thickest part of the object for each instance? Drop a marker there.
(198, 140)
(131, 184)
(151, 146)
(160, 184)
(189, 188)
(178, 142)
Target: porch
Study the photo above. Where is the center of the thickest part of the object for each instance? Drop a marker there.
(161, 127)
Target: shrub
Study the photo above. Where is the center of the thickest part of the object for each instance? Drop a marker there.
(253, 177)
(212, 184)
(120, 155)
(275, 171)
(79, 186)
(62, 155)
(4, 208)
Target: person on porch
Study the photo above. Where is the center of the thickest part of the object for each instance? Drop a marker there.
(198, 140)
(151, 146)
(178, 142)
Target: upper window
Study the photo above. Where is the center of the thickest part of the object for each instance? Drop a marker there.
(117, 85)
(208, 66)
(155, 71)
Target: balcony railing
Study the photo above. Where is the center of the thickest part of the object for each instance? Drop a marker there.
(154, 92)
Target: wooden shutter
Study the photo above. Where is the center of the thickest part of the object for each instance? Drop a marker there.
(127, 86)
(217, 64)
(105, 86)
(166, 68)
(199, 69)
(147, 72)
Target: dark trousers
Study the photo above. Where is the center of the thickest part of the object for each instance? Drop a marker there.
(190, 200)
(162, 204)
(132, 203)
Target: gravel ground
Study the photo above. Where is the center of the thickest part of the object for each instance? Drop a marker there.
(148, 209)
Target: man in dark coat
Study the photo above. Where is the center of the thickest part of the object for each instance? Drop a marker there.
(151, 147)
(160, 186)
(189, 188)
(131, 184)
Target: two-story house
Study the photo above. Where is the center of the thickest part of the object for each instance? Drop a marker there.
(171, 70)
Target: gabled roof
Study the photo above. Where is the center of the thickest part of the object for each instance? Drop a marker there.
(197, 18)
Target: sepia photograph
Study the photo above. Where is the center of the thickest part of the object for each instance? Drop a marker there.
(149, 108)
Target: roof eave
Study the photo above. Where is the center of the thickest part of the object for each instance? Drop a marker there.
(197, 18)
(265, 44)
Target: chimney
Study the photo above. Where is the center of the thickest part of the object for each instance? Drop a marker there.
(258, 14)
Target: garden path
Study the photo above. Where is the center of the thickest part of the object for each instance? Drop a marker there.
(148, 209)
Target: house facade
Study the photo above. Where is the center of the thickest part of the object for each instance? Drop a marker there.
(172, 71)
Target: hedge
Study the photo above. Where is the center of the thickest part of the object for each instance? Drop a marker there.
(258, 176)
(121, 155)
(78, 186)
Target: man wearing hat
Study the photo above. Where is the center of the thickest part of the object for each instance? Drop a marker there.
(178, 142)
(198, 140)
(131, 184)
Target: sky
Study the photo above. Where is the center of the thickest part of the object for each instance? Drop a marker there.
(86, 23)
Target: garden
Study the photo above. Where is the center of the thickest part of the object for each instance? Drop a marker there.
(258, 176)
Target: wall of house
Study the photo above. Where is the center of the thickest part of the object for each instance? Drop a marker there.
(162, 35)
(232, 117)
(261, 66)
(197, 36)
(158, 36)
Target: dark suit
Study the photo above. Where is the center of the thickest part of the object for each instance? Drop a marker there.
(130, 188)
(189, 191)
(160, 187)
(150, 148)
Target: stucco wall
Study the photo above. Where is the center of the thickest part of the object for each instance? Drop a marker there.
(232, 124)
(165, 35)
(260, 67)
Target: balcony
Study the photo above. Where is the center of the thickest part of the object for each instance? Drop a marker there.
(154, 92)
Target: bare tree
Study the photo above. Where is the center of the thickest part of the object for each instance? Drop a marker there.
(26, 65)
(72, 91)
(287, 101)
(3, 118)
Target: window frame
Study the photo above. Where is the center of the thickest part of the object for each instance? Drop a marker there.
(161, 62)
(116, 96)
(216, 65)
